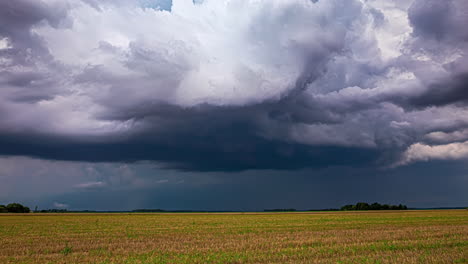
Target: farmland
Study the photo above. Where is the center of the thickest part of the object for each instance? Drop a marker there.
(439, 236)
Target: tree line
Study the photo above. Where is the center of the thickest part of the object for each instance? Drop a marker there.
(350, 207)
(280, 210)
(374, 206)
(14, 208)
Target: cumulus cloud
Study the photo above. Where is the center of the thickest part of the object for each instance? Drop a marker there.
(444, 137)
(422, 152)
(232, 84)
(215, 52)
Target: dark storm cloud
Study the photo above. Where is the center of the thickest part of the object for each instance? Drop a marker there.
(440, 20)
(17, 17)
(438, 32)
(449, 91)
(202, 139)
(272, 85)
(16, 21)
(26, 65)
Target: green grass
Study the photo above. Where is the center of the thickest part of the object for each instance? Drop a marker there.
(318, 237)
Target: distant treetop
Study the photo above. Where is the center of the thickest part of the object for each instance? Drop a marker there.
(14, 208)
(375, 206)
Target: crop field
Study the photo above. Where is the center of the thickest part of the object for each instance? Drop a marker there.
(439, 236)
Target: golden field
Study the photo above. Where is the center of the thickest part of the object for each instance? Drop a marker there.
(439, 236)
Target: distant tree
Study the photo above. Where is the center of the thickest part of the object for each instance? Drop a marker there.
(402, 207)
(362, 206)
(375, 206)
(54, 211)
(3, 209)
(17, 208)
(148, 211)
(322, 210)
(348, 207)
(280, 210)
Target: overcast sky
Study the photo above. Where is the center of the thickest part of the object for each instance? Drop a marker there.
(233, 104)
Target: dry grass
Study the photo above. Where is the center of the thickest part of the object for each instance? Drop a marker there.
(341, 237)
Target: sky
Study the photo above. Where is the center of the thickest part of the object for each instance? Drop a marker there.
(233, 104)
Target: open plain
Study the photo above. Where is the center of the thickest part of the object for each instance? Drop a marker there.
(436, 236)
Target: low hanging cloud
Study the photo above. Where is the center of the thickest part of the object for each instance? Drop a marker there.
(444, 137)
(422, 152)
(91, 185)
(60, 205)
(232, 85)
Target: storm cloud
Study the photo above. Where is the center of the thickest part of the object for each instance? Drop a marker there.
(234, 85)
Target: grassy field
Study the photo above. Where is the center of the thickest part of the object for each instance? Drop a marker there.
(332, 237)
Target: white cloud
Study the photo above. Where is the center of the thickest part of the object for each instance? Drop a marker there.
(4, 43)
(220, 52)
(395, 28)
(443, 137)
(60, 205)
(91, 185)
(422, 152)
